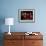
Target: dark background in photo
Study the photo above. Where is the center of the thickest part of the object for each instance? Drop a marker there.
(26, 15)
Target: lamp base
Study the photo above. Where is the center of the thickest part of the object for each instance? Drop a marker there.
(9, 33)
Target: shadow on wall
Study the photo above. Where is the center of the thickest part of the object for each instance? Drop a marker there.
(2, 21)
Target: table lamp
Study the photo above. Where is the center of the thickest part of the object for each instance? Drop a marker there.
(9, 21)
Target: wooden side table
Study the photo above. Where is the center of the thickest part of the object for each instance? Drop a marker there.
(20, 39)
(15, 39)
(34, 40)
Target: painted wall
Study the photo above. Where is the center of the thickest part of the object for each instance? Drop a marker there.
(9, 8)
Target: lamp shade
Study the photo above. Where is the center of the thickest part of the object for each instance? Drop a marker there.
(9, 21)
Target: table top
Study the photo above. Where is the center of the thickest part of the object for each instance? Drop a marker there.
(22, 35)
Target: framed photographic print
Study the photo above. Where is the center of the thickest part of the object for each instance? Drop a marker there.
(26, 15)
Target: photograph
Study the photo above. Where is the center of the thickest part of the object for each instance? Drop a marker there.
(26, 15)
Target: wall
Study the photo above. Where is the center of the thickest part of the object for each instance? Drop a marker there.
(9, 8)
